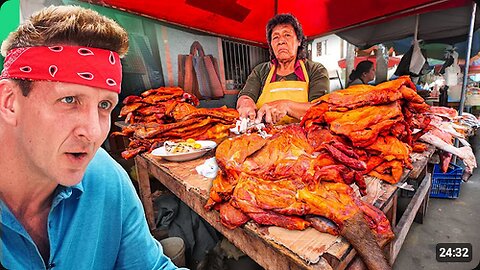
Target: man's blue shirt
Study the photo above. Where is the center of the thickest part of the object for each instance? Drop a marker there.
(97, 224)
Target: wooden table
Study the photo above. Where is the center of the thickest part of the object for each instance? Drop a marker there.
(263, 244)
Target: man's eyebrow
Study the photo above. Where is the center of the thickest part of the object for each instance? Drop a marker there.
(113, 98)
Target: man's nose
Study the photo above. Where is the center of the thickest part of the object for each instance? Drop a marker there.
(89, 125)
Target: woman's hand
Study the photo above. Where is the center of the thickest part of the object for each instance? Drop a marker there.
(246, 107)
(273, 111)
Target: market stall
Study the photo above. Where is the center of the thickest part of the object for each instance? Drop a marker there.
(245, 21)
(428, 20)
(444, 25)
(271, 246)
(291, 248)
(320, 193)
(274, 247)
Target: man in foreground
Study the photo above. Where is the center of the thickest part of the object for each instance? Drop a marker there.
(65, 203)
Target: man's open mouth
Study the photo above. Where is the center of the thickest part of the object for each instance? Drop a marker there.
(78, 155)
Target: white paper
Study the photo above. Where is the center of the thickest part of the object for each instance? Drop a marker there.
(209, 168)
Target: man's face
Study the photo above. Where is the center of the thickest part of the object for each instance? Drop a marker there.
(60, 126)
(284, 42)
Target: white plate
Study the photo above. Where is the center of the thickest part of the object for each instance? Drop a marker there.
(206, 146)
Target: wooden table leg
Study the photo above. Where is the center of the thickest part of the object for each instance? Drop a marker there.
(423, 208)
(417, 182)
(145, 190)
(403, 226)
(390, 211)
(421, 211)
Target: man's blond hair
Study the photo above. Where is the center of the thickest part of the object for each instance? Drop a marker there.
(68, 25)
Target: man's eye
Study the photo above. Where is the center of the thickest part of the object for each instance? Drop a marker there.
(105, 105)
(68, 99)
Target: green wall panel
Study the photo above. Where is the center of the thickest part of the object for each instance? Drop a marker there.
(9, 20)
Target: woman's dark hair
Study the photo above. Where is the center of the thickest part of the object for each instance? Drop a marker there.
(362, 67)
(287, 19)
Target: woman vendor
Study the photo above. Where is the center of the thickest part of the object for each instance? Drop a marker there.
(281, 89)
(362, 74)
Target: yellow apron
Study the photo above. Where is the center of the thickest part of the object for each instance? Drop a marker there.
(291, 90)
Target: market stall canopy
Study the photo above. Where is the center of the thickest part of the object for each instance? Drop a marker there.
(437, 50)
(246, 19)
(392, 61)
(447, 26)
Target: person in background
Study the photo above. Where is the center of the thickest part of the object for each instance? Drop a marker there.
(362, 74)
(281, 89)
(64, 202)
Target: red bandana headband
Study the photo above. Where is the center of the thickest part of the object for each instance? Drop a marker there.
(73, 64)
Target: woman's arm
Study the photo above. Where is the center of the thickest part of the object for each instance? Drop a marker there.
(246, 107)
(248, 96)
(274, 111)
(319, 84)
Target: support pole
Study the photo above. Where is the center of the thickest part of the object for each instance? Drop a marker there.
(381, 71)
(467, 59)
(415, 35)
(350, 59)
(461, 106)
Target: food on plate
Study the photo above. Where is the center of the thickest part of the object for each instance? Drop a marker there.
(190, 145)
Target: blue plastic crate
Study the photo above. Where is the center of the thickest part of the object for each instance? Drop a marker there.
(446, 185)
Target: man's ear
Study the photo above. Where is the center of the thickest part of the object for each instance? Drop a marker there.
(8, 95)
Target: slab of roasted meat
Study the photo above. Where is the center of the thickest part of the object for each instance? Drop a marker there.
(375, 122)
(168, 113)
(305, 172)
(285, 181)
(445, 126)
